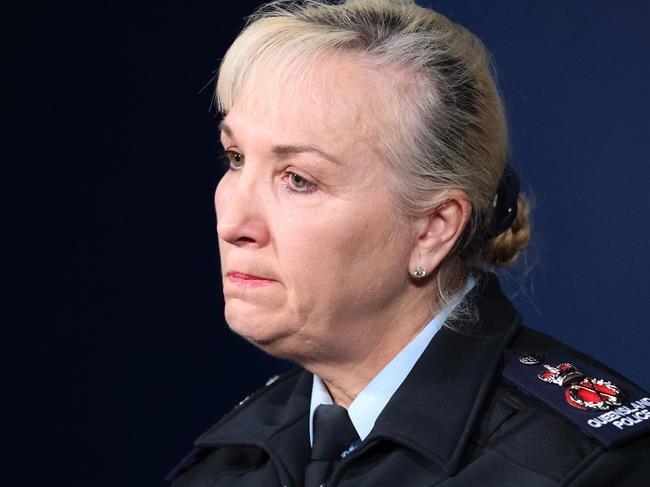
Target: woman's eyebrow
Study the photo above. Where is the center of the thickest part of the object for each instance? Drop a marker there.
(284, 150)
(225, 128)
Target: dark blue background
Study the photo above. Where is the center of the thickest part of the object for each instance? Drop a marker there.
(126, 358)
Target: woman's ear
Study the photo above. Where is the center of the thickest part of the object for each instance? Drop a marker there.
(439, 231)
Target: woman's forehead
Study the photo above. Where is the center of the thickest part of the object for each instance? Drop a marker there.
(335, 97)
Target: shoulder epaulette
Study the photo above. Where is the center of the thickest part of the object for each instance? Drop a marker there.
(608, 408)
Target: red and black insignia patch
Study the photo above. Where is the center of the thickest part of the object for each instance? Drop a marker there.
(561, 375)
(593, 394)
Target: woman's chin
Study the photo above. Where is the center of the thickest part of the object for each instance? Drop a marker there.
(263, 333)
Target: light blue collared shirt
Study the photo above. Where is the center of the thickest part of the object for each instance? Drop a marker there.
(368, 405)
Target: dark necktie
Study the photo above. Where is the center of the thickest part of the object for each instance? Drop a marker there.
(333, 434)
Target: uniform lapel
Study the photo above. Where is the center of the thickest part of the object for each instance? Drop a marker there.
(275, 420)
(435, 409)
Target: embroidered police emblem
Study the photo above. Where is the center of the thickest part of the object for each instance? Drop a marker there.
(593, 394)
(586, 393)
(561, 374)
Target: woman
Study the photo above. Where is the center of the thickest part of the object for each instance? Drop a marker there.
(366, 200)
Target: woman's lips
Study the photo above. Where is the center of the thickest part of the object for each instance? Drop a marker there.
(248, 280)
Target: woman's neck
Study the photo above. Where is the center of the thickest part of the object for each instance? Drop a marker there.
(346, 377)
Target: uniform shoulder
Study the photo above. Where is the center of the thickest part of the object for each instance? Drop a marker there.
(276, 390)
(269, 399)
(556, 410)
(600, 402)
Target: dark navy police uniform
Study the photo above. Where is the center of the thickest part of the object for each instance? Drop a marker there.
(496, 404)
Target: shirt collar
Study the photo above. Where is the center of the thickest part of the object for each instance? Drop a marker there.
(368, 405)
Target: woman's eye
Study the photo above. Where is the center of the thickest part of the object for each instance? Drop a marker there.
(295, 183)
(235, 159)
(298, 182)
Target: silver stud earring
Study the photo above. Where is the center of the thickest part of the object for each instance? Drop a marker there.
(419, 272)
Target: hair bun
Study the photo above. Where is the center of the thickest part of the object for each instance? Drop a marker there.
(504, 249)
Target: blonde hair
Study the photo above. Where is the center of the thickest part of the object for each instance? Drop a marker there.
(449, 129)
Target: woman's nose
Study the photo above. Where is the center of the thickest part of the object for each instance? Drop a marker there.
(240, 213)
